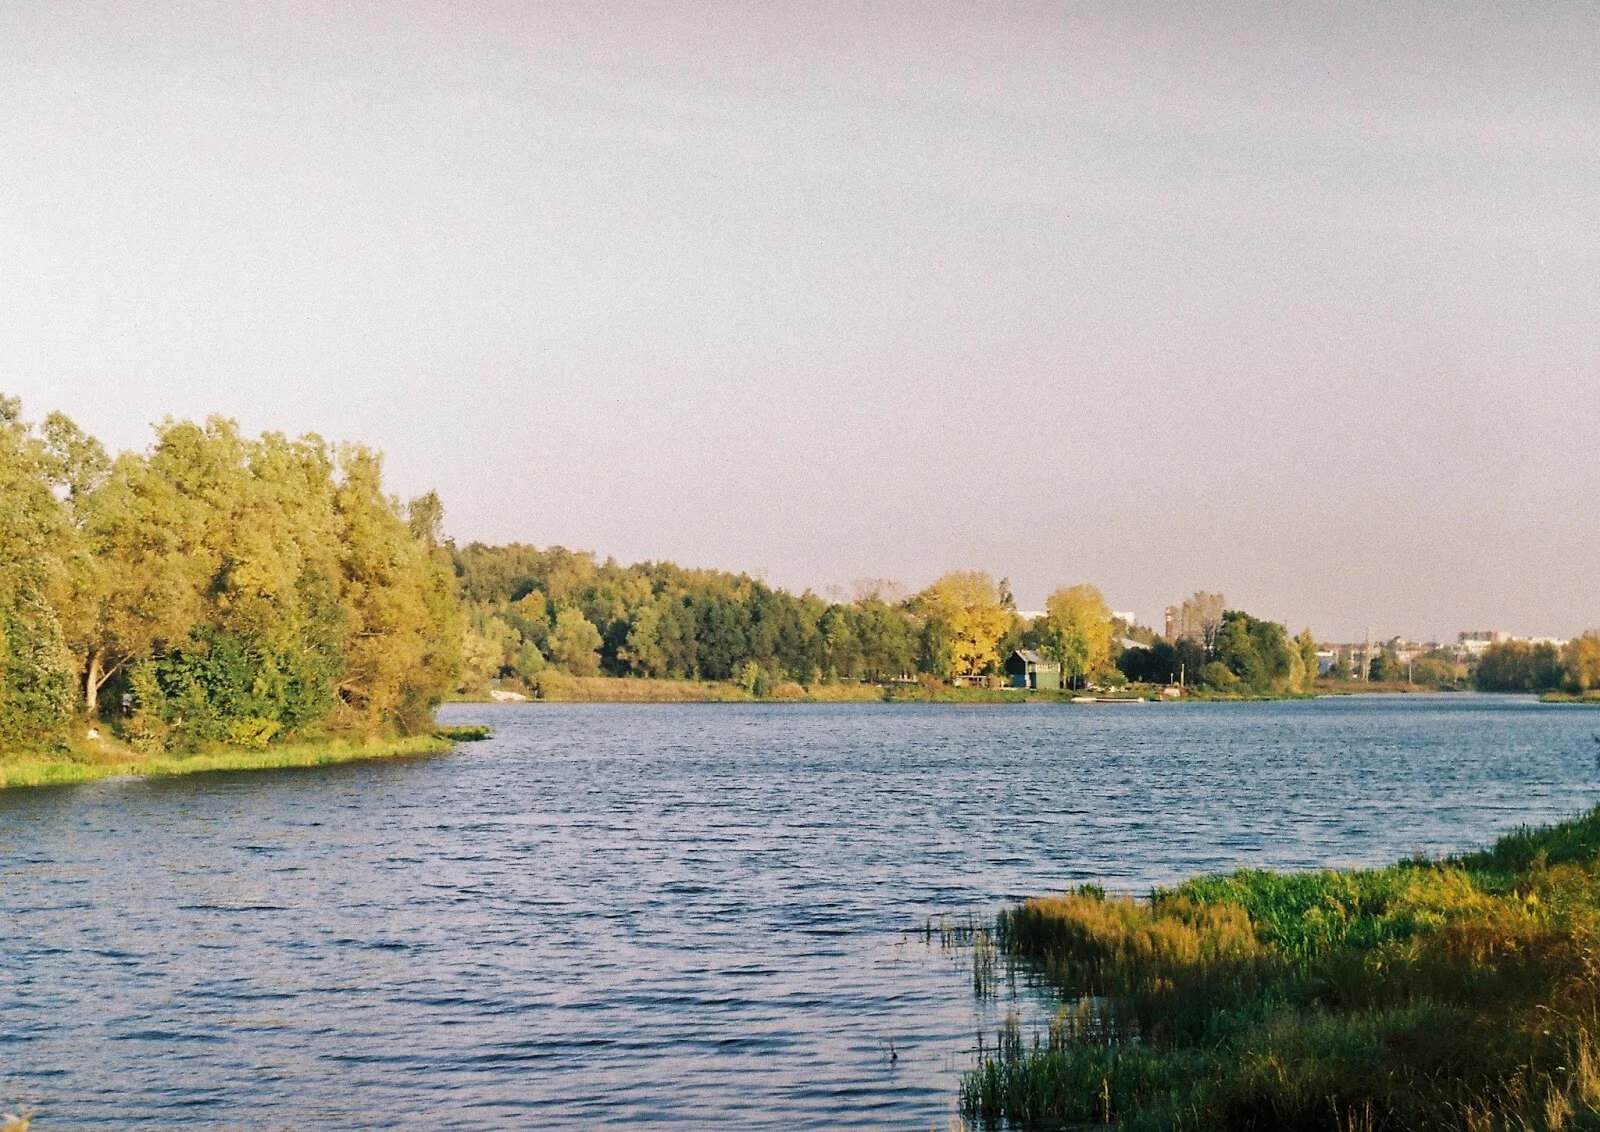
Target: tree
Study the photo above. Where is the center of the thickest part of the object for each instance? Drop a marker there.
(152, 533)
(1255, 651)
(641, 650)
(1156, 663)
(1386, 667)
(575, 643)
(1200, 619)
(1518, 666)
(1077, 631)
(886, 639)
(1307, 646)
(35, 668)
(1581, 662)
(967, 618)
(401, 640)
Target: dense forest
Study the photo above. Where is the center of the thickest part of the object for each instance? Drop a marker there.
(214, 589)
(530, 610)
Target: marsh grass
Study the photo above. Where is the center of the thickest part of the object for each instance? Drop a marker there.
(1462, 993)
(86, 765)
(464, 732)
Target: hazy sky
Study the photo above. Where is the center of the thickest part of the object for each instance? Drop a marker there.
(1299, 302)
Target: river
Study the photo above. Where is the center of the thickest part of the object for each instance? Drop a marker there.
(682, 915)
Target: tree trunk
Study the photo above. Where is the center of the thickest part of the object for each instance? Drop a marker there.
(92, 680)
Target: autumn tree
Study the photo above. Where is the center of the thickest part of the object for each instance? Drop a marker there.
(1581, 662)
(1077, 631)
(968, 616)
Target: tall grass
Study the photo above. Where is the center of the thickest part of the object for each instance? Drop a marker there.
(1429, 995)
(86, 766)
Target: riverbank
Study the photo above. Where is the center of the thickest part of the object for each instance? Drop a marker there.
(1590, 698)
(560, 688)
(1455, 994)
(103, 759)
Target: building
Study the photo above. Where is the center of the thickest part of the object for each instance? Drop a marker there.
(1027, 669)
(1473, 644)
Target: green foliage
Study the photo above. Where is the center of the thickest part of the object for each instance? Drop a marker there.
(1256, 652)
(221, 687)
(657, 619)
(575, 643)
(1386, 668)
(36, 685)
(1518, 666)
(1076, 633)
(241, 590)
(1428, 995)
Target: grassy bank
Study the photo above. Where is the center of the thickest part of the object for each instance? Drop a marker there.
(560, 688)
(1373, 688)
(1462, 994)
(102, 760)
(1590, 698)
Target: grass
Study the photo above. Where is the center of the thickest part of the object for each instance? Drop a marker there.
(1456, 994)
(1590, 698)
(103, 760)
(556, 687)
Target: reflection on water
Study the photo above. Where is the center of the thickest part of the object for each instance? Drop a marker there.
(696, 915)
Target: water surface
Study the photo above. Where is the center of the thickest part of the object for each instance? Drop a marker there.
(672, 914)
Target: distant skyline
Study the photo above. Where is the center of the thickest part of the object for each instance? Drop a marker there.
(1301, 304)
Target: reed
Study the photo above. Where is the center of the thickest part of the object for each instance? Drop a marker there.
(1427, 995)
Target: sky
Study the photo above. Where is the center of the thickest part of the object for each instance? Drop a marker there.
(1299, 302)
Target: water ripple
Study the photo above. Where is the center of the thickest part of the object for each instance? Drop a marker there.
(673, 915)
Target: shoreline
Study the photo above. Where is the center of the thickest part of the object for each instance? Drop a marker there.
(642, 690)
(27, 770)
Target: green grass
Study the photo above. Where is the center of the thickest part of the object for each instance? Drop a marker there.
(1590, 698)
(1457, 994)
(464, 732)
(86, 765)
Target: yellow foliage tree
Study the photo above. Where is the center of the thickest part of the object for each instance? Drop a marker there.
(970, 607)
(1078, 630)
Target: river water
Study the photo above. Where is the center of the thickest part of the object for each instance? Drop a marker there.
(683, 915)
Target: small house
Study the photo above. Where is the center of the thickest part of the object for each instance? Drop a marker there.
(1027, 669)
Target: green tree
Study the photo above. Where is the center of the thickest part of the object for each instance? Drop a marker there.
(575, 643)
(1077, 631)
(1306, 644)
(402, 636)
(36, 683)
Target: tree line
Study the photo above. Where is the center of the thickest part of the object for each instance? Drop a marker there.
(531, 611)
(1226, 650)
(1526, 666)
(214, 588)
(217, 588)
